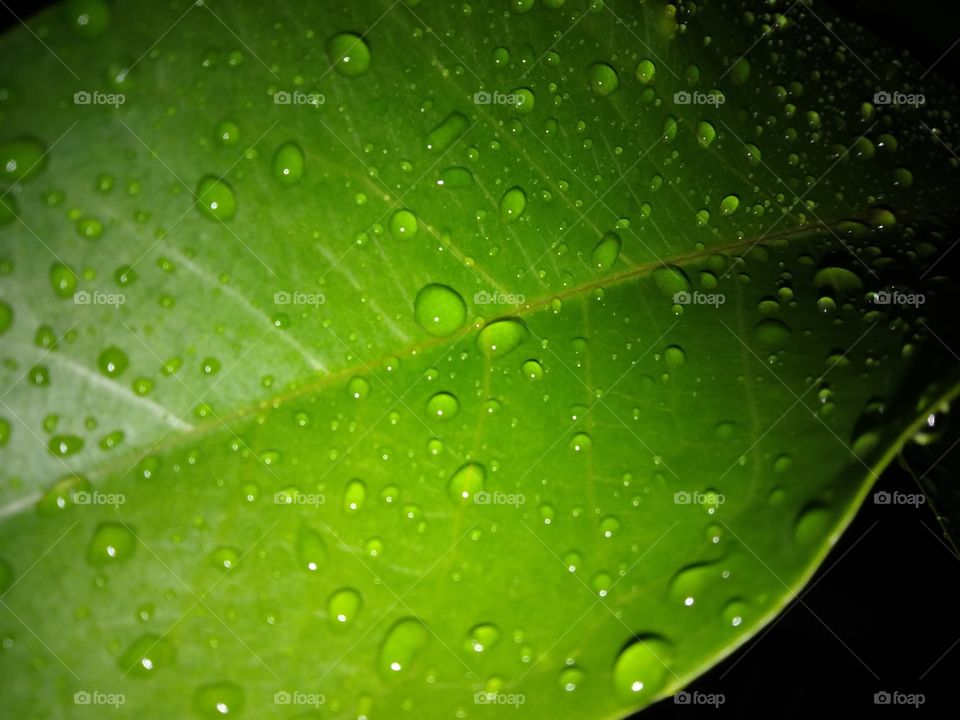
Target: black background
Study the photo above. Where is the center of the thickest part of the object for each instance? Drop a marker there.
(884, 603)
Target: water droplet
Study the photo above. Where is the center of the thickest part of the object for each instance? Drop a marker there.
(62, 495)
(706, 134)
(580, 442)
(729, 205)
(354, 496)
(501, 337)
(571, 678)
(349, 54)
(224, 557)
(482, 637)
(21, 159)
(111, 543)
(641, 670)
(466, 481)
(86, 17)
(145, 655)
(112, 361)
(606, 252)
(603, 79)
(63, 280)
(217, 700)
(733, 612)
(771, 334)
(343, 606)
(671, 280)
(65, 445)
(645, 71)
(532, 370)
(288, 163)
(443, 405)
(311, 550)
(512, 204)
(215, 199)
(400, 647)
(688, 584)
(403, 224)
(439, 309)
(444, 134)
(811, 524)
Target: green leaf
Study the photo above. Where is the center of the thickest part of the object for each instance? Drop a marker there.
(409, 358)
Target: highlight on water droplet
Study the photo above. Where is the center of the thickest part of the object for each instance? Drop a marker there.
(603, 79)
(217, 700)
(443, 405)
(111, 543)
(343, 606)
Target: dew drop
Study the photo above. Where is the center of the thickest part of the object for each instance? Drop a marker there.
(439, 309)
(349, 54)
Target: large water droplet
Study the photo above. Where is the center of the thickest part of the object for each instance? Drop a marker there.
(512, 204)
(641, 670)
(468, 480)
(215, 199)
(403, 642)
(501, 337)
(439, 309)
(349, 54)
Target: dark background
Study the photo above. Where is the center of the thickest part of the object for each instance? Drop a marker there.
(885, 599)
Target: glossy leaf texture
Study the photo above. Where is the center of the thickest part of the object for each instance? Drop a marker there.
(402, 359)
